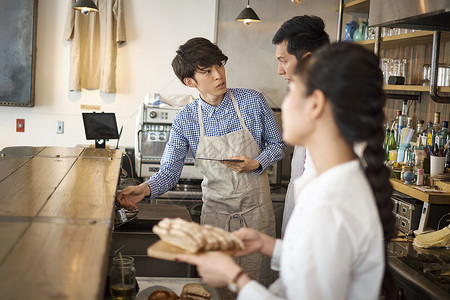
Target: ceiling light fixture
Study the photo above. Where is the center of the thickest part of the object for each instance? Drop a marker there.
(248, 15)
(85, 6)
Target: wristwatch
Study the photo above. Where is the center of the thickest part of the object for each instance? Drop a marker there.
(232, 284)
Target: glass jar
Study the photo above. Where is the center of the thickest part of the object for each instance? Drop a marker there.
(426, 74)
(122, 278)
(403, 67)
(404, 170)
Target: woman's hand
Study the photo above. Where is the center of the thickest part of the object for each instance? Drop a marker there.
(132, 195)
(254, 241)
(215, 268)
(248, 164)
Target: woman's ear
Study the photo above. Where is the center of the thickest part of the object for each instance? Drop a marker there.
(318, 103)
(190, 82)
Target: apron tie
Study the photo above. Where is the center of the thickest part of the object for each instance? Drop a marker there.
(239, 216)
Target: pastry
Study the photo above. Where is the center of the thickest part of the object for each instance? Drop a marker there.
(194, 291)
(163, 295)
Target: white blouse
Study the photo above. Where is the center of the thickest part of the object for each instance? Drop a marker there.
(333, 247)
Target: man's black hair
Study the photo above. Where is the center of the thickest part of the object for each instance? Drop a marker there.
(195, 53)
(303, 34)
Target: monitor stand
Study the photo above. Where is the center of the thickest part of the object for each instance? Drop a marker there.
(101, 144)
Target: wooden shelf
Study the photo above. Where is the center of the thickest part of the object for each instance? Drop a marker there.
(414, 88)
(405, 40)
(432, 198)
(357, 6)
(411, 39)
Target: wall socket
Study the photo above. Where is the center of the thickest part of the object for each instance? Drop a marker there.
(59, 127)
(20, 125)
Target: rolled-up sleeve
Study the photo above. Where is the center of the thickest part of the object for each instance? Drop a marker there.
(275, 262)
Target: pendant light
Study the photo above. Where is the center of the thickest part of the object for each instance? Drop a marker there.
(85, 6)
(248, 15)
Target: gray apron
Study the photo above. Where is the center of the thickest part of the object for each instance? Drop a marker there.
(233, 200)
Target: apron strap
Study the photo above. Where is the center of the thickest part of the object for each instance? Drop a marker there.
(200, 118)
(239, 216)
(236, 108)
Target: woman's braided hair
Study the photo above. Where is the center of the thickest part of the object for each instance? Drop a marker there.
(351, 80)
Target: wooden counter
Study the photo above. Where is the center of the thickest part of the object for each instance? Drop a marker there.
(56, 219)
(428, 197)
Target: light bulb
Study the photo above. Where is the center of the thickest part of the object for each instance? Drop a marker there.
(85, 10)
(296, 1)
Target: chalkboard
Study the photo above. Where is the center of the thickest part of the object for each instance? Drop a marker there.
(17, 52)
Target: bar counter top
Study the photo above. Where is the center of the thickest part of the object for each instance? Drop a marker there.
(56, 220)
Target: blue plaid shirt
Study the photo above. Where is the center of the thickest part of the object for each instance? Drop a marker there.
(218, 120)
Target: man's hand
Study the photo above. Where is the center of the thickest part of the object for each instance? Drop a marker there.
(248, 164)
(132, 195)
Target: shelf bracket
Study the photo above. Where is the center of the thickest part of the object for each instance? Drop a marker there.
(415, 96)
(434, 70)
(340, 18)
(377, 42)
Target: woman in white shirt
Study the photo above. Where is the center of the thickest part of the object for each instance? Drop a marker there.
(335, 242)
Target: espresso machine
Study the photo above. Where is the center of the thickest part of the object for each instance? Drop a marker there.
(153, 124)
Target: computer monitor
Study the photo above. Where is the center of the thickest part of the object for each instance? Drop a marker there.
(100, 127)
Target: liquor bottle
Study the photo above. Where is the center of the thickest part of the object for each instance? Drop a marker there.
(392, 144)
(447, 156)
(431, 135)
(402, 121)
(409, 124)
(394, 125)
(425, 133)
(441, 137)
(416, 140)
(386, 142)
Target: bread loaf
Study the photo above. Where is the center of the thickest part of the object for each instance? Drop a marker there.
(193, 237)
(194, 291)
(163, 295)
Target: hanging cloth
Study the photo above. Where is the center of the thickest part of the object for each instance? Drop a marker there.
(94, 39)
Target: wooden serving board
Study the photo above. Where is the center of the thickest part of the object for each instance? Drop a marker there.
(163, 250)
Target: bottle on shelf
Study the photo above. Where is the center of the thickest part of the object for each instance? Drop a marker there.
(416, 140)
(402, 121)
(387, 135)
(431, 135)
(425, 133)
(394, 126)
(392, 145)
(441, 137)
(416, 144)
(409, 123)
(447, 155)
